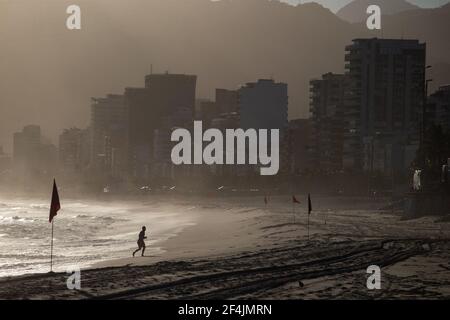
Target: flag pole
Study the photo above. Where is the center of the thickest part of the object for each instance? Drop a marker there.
(308, 226)
(55, 206)
(309, 210)
(293, 209)
(51, 251)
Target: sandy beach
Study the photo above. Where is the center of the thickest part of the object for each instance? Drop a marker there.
(238, 248)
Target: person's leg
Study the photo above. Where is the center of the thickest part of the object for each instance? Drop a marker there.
(143, 249)
(137, 250)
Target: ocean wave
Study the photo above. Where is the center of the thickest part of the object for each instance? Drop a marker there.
(77, 205)
(16, 219)
(82, 216)
(26, 255)
(83, 234)
(14, 266)
(99, 218)
(16, 208)
(39, 206)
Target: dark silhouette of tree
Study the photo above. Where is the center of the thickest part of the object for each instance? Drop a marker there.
(437, 146)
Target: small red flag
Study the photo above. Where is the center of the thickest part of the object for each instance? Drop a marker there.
(294, 200)
(55, 205)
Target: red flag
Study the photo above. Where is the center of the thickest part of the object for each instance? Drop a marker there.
(294, 200)
(55, 205)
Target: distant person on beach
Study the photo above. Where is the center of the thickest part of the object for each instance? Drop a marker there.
(140, 242)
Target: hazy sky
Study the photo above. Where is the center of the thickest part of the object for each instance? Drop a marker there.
(50, 73)
(335, 5)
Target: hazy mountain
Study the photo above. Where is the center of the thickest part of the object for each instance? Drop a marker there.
(356, 11)
(333, 5)
(50, 73)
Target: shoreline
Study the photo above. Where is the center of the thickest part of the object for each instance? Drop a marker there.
(245, 240)
(191, 242)
(221, 232)
(188, 243)
(406, 266)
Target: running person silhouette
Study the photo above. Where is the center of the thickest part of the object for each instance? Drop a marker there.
(140, 242)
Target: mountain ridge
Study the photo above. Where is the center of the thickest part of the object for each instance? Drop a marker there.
(48, 70)
(355, 11)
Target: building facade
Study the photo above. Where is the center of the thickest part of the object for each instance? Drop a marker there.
(109, 132)
(148, 108)
(327, 110)
(5, 162)
(263, 105)
(438, 108)
(33, 156)
(383, 103)
(299, 156)
(70, 150)
(227, 101)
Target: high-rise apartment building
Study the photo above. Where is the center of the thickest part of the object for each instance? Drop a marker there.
(383, 103)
